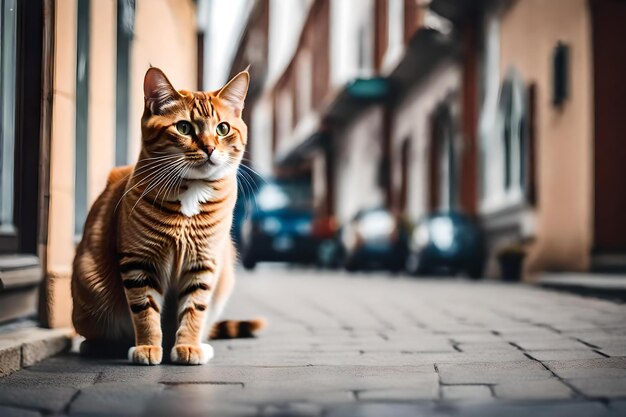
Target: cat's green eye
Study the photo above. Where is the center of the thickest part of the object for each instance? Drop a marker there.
(222, 129)
(184, 127)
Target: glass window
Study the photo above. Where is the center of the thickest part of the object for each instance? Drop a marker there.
(365, 42)
(445, 158)
(82, 112)
(125, 28)
(7, 115)
(395, 30)
(512, 113)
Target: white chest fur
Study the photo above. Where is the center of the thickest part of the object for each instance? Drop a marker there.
(197, 192)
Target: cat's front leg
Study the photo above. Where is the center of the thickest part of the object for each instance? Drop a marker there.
(194, 295)
(144, 296)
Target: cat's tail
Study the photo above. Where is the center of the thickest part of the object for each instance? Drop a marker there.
(232, 329)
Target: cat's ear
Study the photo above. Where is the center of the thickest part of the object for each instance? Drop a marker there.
(234, 92)
(158, 91)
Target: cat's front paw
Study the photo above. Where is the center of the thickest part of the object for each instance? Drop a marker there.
(145, 354)
(192, 354)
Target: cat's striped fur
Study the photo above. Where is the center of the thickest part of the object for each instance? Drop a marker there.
(163, 227)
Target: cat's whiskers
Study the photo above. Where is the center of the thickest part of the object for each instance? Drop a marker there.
(244, 183)
(251, 193)
(254, 172)
(182, 179)
(157, 161)
(148, 178)
(150, 173)
(171, 174)
(169, 183)
(162, 176)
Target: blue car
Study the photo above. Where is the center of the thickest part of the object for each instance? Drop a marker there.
(448, 242)
(279, 228)
(374, 238)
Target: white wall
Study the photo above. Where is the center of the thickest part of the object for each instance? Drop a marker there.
(357, 157)
(260, 138)
(286, 20)
(346, 19)
(411, 120)
(224, 25)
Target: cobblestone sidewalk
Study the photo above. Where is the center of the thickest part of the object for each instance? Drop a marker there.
(365, 345)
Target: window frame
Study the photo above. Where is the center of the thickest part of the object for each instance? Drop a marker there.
(9, 191)
(125, 27)
(81, 205)
(506, 146)
(21, 264)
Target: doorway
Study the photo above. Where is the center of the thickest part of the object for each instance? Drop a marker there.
(609, 67)
(443, 193)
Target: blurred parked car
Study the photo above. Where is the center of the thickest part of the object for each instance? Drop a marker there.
(249, 183)
(280, 226)
(374, 238)
(448, 242)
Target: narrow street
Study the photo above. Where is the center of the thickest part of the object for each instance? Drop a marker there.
(365, 345)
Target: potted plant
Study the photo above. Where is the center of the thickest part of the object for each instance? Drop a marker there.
(511, 260)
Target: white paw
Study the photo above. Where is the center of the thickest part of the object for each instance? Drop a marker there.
(145, 355)
(131, 353)
(192, 354)
(207, 352)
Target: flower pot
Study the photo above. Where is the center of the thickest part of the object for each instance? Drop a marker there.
(511, 267)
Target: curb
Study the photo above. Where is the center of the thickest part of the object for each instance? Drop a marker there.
(26, 346)
(607, 287)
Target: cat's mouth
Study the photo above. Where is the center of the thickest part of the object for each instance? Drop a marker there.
(204, 163)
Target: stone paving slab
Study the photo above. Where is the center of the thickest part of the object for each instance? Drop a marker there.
(115, 398)
(364, 345)
(466, 392)
(473, 410)
(546, 389)
(17, 412)
(49, 399)
(492, 372)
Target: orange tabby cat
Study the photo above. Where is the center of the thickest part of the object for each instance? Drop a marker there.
(163, 227)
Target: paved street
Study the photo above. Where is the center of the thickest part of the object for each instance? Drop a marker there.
(365, 345)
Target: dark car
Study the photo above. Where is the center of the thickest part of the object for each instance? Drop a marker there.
(279, 227)
(447, 242)
(249, 183)
(374, 238)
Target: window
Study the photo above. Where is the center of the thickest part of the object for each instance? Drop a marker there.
(8, 19)
(365, 42)
(405, 165)
(82, 112)
(125, 28)
(444, 185)
(512, 116)
(504, 146)
(395, 31)
(304, 77)
(25, 64)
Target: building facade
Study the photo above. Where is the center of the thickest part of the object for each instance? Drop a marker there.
(499, 109)
(77, 67)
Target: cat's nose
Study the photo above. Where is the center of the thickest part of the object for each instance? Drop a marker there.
(209, 150)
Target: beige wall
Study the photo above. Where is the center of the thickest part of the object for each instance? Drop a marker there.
(61, 209)
(165, 37)
(530, 29)
(102, 74)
